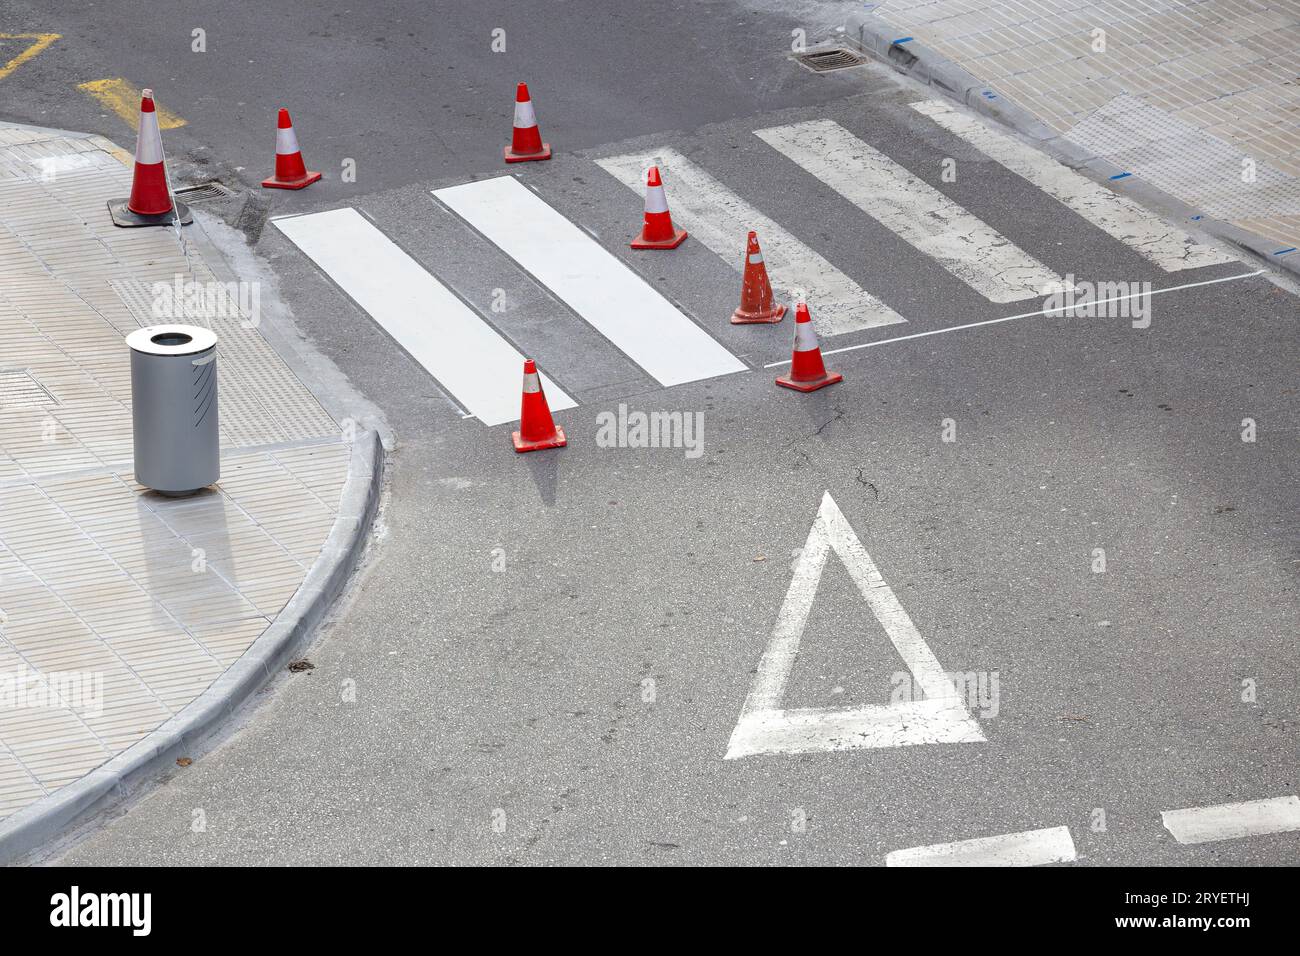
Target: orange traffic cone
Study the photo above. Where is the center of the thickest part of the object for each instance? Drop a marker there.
(526, 142)
(290, 170)
(537, 430)
(150, 202)
(756, 303)
(658, 231)
(807, 371)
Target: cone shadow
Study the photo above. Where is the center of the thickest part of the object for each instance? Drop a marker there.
(544, 467)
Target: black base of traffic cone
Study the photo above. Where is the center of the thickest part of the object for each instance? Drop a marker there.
(126, 218)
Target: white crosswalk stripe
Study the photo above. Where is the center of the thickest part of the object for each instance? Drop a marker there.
(603, 291)
(914, 210)
(480, 368)
(721, 220)
(1169, 248)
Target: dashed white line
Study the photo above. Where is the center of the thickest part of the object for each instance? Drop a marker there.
(1030, 848)
(918, 213)
(720, 219)
(1231, 821)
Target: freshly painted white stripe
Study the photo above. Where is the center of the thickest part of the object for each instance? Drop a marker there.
(765, 727)
(917, 212)
(1030, 848)
(148, 141)
(1168, 247)
(480, 368)
(1231, 821)
(1022, 315)
(721, 220)
(602, 290)
(286, 142)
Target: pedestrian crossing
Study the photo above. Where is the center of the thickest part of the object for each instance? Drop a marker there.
(1117, 215)
(914, 210)
(721, 220)
(596, 283)
(607, 294)
(436, 328)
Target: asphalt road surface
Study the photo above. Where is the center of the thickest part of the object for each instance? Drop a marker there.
(545, 656)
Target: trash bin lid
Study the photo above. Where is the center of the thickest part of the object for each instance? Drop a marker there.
(172, 340)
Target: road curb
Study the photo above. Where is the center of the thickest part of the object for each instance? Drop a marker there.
(879, 40)
(44, 820)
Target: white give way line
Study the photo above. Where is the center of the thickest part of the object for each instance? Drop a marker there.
(766, 727)
(1030, 848)
(721, 220)
(914, 210)
(1231, 821)
(465, 354)
(1118, 216)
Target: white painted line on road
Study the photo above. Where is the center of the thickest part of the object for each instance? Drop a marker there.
(465, 354)
(917, 212)
(1022, 315)
(1030, 848)
(616, 301)
(721, 220)
(1231, 821)
(765, 727)
(1168, 247)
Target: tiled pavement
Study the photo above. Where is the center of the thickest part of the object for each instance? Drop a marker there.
(1183, 94)
(119, 606)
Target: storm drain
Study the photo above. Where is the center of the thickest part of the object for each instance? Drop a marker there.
(211, 191)
(826, 60)
(18, 389)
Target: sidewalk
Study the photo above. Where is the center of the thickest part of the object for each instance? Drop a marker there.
(119, 607)
(1184, 93)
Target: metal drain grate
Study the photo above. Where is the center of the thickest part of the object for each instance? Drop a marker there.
(827, 59)
(211, 191)
(18, 389)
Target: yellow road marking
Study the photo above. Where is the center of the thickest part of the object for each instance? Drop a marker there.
(42, 41)
(124, 100)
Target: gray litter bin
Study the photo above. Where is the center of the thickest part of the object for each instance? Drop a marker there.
(174, 408)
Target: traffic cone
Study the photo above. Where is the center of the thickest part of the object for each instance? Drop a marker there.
(290, 170)
(150, 202)
(756, 303)
(537, 430)
(526, 142)
(807, 371)
(658, 232)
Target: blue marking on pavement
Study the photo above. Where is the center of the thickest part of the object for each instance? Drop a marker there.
(1282, 252)
(901, 40)
(1197, 218)
(1121, 175)
(989, 95)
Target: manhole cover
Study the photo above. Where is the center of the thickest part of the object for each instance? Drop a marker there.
(828, 59)
(211, 191)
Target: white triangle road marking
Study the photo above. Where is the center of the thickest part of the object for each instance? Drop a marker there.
(766, 727)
